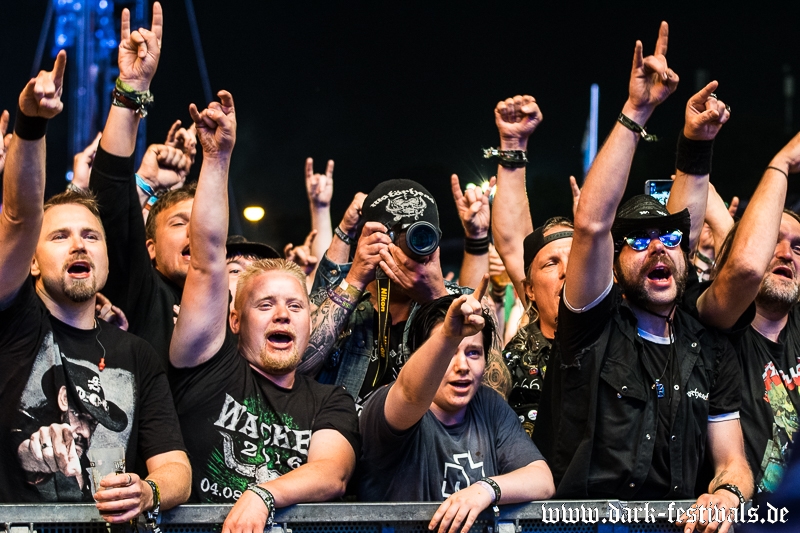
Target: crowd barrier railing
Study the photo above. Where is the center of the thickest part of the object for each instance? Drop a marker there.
(591, 516)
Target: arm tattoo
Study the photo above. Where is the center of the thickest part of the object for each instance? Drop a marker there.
(496, 374)
(717, 481)
(328, 322)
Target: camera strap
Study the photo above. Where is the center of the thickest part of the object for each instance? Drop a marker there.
(384, 292)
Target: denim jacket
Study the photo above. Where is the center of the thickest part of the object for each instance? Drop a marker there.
(348, 362)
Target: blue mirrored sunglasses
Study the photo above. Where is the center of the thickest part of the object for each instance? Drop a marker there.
(640, 240)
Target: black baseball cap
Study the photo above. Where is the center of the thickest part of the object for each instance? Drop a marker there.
(238, 245)
(400, 202)
(643, 212)
(537, 240)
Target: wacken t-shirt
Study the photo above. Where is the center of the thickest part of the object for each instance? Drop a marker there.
(431, 461)
(50, 379)
(242, 429)
(770, 402)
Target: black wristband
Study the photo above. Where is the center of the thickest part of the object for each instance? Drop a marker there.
(733, 489)
(476, 246)
(29, 128)
(694, 157)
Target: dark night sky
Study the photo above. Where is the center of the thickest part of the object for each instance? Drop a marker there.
(407, 90)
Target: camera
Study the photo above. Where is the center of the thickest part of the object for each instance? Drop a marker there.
(417, 240)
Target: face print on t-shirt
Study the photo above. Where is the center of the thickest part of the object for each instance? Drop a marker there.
(69, 406)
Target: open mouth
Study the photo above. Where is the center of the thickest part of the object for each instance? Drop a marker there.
(185, 253)
(783, 271)
(280, 339)
(660, 273)
(462, 385)
(79, 269)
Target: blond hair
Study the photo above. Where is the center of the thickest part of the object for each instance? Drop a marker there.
(267, 265)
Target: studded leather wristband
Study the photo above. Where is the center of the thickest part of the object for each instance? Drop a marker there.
(732, 488)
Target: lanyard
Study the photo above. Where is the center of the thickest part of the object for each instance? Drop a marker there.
(384, 292)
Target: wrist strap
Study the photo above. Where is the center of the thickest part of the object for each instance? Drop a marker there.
(148, 190)
(29, 128)
(731, 488)
(153, 517)
(507, 158)
(635, 128)
(124, 96)
(344, 237)
(269, 501)
(694, 157)
(779, 170)
(495, 487)
(476, 246)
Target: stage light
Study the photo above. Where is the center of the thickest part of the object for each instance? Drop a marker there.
(254, 213)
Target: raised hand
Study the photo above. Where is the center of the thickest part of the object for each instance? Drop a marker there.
(465, 316)
(652, 81)
(4, 139)
(352, 216)
(41, 97)
(216, 126)
(302, 254)
(705, 114)
(184, 139)
(516, 118)
(473, 208)
(319, 186)
(108, 312)
(164, 167)
(82, 164)
(139, 50)
(576, 194)
(789, 156)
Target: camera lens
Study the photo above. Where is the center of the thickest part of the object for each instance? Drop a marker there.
(422, 238)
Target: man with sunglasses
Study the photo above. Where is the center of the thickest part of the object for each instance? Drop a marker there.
(641, 390)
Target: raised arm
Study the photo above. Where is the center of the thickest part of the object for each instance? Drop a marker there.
(24, 178)
(319, 188)
(411, 395)
(592, 255)
(738, 281)
(473, 210)
(200, 329)
(139, 52)
(705, 115)
(516, 119)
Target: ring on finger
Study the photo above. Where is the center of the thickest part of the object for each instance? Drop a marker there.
(727, 108)
(130, 480)
(713, 95)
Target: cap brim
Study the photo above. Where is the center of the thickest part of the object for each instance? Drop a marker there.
(255, 249)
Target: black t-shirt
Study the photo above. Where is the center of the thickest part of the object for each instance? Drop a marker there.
(431, 461)
(770, 405)
(49, 374)
(723, 400)
(146, 297)
(242, 429)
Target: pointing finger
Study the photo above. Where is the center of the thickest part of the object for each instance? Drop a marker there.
(58, 69)
(456, 187)
(481, 289)
(171, 134)
(125, 26)
(157, 25)
(638, 59)
(309, 168)
(700, 98)
(663, 38)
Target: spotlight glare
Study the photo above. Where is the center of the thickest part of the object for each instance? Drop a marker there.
(254, 213)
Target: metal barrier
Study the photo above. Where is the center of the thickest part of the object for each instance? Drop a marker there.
(596, 516)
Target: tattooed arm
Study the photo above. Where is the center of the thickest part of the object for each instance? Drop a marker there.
(328, 321)
(497, 375)
(333, 313)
